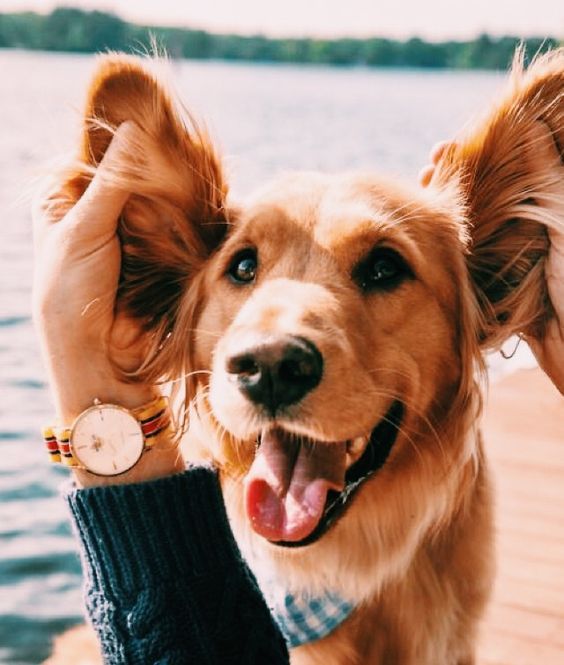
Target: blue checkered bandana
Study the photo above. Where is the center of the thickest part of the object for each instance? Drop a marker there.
(304, 619)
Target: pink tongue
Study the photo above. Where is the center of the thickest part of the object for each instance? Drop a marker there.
(286, 487)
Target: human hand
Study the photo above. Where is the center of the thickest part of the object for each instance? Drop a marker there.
(549, 351)
(83, 337)
(437, 151)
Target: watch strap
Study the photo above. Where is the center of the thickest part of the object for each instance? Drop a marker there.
(54, 447)
(155, 418)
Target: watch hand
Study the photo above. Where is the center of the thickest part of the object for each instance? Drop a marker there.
(96, 443)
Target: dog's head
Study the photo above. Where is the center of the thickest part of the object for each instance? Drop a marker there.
(330, 325)
(330, 328)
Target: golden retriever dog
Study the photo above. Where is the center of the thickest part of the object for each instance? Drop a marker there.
(331, 333)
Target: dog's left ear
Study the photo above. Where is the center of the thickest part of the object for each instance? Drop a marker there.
(175, 216)
(509, 170)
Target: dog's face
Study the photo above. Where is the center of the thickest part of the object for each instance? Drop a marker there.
(330, 327)
(328, 331)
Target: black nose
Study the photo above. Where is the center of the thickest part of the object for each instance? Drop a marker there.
(277, 373)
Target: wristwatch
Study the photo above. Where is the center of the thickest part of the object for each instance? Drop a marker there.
(107, 439)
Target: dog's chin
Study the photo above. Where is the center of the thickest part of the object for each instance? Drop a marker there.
(368, 455)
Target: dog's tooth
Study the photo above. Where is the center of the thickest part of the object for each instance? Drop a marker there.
(355, 448)
(356, 445)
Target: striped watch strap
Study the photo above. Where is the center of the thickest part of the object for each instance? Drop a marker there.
(59, 450)
(154, 418)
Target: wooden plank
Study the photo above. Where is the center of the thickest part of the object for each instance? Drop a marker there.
(533, 626)
(524, 434)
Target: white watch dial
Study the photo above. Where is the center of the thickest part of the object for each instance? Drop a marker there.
(107, 440)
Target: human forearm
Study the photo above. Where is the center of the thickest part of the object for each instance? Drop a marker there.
(83, 335)
(164, 578)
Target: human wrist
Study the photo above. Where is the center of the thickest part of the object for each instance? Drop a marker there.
(160, 456)
(76, 385)
(161, 462)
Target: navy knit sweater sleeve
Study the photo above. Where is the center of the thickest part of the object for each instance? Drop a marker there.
(165, 582)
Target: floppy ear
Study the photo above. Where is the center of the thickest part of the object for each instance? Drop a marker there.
(509, 169)
(175, 215)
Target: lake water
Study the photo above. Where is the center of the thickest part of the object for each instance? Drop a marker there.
(266, 119)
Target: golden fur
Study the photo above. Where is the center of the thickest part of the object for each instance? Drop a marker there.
(414, 547)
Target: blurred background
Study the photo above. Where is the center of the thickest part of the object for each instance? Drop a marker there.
(319, 85)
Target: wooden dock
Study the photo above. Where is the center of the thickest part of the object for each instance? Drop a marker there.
(524, 433)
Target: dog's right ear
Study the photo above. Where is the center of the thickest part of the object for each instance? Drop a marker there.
(175, 216)
(508, 169)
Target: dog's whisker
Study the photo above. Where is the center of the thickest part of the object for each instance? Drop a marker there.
(187, 375)
(413, 407)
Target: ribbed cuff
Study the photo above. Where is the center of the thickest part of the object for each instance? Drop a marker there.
(136, 535)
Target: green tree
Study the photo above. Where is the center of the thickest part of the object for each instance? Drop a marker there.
(382, 52)
(21, 30)
(417, 53)
(70, 29)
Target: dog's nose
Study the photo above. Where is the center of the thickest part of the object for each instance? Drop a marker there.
(277, 373)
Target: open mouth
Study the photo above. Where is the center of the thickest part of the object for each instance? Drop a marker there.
(297, 489)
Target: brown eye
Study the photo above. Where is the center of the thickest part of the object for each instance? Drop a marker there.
(383, 269)
(243, 268)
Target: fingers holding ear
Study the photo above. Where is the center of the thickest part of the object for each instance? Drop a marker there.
(426, 174)
(95, 216)
(437, 151)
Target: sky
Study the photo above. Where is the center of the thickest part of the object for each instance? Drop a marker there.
(430, 19)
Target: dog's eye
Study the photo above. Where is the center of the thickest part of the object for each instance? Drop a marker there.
(382, 269)
(243, 268)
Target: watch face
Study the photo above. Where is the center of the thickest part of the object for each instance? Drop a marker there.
(107, 440)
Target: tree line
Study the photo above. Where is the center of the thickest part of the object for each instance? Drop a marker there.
(75, 30)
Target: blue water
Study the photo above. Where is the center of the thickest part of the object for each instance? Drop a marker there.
(267, 119)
